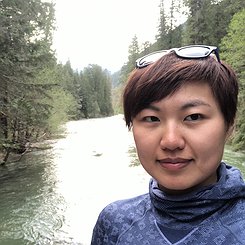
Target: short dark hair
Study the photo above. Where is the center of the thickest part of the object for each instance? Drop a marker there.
(169, 73)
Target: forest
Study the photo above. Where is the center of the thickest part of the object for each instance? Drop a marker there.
(38, 94)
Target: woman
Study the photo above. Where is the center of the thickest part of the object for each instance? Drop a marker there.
(181, 106)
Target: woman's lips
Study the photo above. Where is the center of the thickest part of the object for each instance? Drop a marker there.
(174, 163)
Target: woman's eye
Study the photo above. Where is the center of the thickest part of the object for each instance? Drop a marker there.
(151, 119)
(193, 117)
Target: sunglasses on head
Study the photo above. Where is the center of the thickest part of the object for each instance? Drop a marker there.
(187, 52)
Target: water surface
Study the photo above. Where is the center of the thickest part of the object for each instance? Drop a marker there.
(54, 196)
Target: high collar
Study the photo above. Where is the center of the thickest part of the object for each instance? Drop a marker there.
(198, 204)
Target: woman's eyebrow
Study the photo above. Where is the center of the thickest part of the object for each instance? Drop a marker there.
(194, 103)
(185, 106)
(152, 107)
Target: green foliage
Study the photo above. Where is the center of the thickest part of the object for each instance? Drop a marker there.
(208, 20)
(233, 52)
(117, 99)
(163, 39)
(63, 104)
(169, 33)
(197, 24)
(233, 43)
(25, 41)
(133, 54)
(95, 92)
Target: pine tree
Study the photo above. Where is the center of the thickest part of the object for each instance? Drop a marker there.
(25, 50)
(163, 39)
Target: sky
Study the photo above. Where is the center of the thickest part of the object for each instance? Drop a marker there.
(100, 31)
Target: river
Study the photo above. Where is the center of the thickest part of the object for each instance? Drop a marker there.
(54, 196)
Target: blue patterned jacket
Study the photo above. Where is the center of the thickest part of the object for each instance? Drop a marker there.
(213, 215)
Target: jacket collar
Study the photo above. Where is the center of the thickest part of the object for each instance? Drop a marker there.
(198, 204)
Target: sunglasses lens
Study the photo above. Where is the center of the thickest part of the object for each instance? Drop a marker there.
(148, 59)
(193, 52)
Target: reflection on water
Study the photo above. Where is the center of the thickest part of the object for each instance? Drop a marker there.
(27, 196)
(54, 196)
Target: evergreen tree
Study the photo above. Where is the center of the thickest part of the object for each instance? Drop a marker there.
(133, 52)
(25, 50)
(197, 25)
(95, 92)
(208, 20)
(133, 55)
(169, 34)
(163, 39)
(233, 52)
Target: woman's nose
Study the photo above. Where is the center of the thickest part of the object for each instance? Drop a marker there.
(172, 138)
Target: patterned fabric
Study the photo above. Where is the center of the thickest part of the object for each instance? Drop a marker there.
(214, 215)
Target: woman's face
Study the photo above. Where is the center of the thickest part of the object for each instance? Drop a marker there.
(180, 139)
